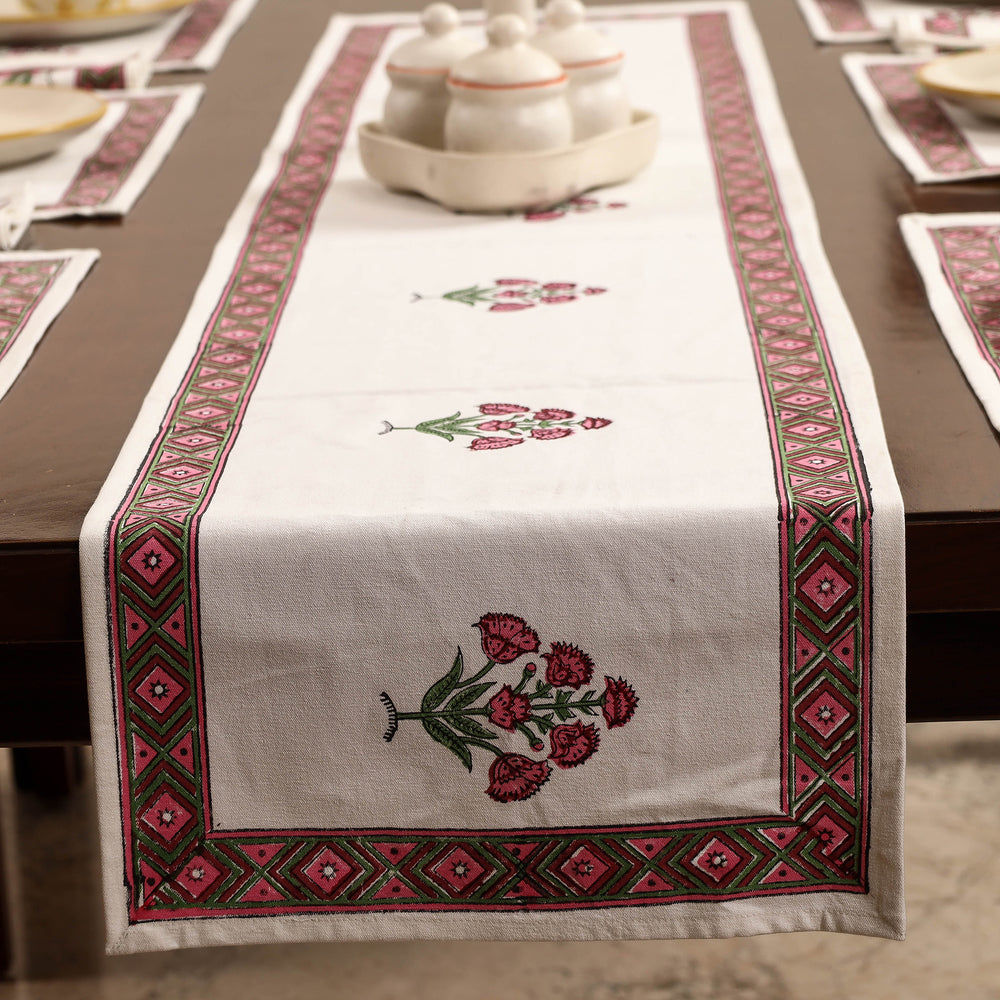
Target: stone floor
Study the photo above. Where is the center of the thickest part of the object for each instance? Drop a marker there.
(952, 951)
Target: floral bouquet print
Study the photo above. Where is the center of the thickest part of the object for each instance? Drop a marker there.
(458, 712)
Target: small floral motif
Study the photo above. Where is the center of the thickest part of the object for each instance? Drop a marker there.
(457, 711)
(548, 423)
(517, 294)
(573, 206)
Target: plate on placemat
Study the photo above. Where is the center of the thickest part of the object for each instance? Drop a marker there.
(969, 79)
(20, 24)
(36, 121)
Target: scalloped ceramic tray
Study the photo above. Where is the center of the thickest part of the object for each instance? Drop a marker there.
(36, 121)
(969, 79)
(20, 24)
(481, 182)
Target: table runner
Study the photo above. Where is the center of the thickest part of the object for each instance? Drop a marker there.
(908, 24)
(192, 39)
(934, 140)
(34, 288)
(958, 256)
(460, 580)
(104, 170)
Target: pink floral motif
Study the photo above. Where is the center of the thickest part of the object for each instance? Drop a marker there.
(573, 744)
(498, 307)
(568, 666)
(506, 637)
(551, 413)
(551, 300)
(514, 778)
(501, 409)
(559, 286)
(496, 425)
(516, 281)
(550, 433)
(517, 294)
(508, 709)
(594, 291)
(620, 702)
(491, 444)
(573, 206)
(594, 423)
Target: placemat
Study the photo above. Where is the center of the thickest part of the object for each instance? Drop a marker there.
(910, 25)
(934, 140)
(104, 170)
(460, 579)
(192, 39)
(72, 71)
(958, 256)
(34, 288)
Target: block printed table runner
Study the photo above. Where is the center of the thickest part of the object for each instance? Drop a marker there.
(914, 23)
(34, 288)
(958, 256)
(934, 140)
(461, 579)
(104, 170)
(193, 39)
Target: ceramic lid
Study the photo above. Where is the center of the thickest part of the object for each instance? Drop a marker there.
(569, 40)
(508, 61)
(440, 46)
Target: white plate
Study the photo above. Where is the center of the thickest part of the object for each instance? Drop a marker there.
(483, 182)
(36, 121)
(20, 24)
(969, 79)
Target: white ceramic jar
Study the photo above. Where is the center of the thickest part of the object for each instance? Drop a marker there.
(593, 65)
(418, 69)
(508, 98)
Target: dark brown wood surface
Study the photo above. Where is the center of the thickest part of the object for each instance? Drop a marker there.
(62, 423)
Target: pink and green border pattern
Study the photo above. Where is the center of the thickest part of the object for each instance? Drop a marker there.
(177, 865)
(23, 285)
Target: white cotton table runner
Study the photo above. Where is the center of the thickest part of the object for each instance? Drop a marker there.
(958, 256)
(35, 287)
(910, 24)
(935, 141)
(463, 579)
(105, 169)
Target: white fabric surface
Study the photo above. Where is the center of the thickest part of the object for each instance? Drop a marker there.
(105, 169)
(956, 255)
(912, 25)
(192, 39)
(338, 568)
(935, 141)
(34, 288)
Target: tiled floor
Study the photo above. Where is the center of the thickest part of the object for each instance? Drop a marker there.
(952, 951)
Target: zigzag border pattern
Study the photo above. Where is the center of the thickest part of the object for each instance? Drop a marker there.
(177, 866)
(23, 284)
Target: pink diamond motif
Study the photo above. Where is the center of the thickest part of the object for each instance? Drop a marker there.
(198, 876)
(194, 440)
(825, 587)
(810, 429)
(160, 690)
(152, 560)
(819, 463)
(718, 860)
(583, 867)
(458, 869)
(166, 817)
(803, 399)
(181, 472)
(328, 871)
(825, 713)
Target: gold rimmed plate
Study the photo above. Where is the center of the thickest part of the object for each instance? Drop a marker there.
(21, 24)
(36, 121)
(968, 79)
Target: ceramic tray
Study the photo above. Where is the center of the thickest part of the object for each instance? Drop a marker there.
(20, 24)
(969, 79)
(36, 121)
(480, 182)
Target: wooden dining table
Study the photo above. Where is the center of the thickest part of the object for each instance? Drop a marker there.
(64, 420)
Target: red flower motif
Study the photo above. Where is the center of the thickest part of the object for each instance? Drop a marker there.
(506, 307)
(617, 204)
(489, 444)
(514, 778)
(511, 293)
(559, 286)
(499, 409)
(543, 216)
(506, 637)
(573, 744)
(618, 704)
(550, 413)
(551, 300)
(550, 433)
(594, 291)
(496, 425)
(594, 423)
(516, 281)
(568, 666)
(507, 709)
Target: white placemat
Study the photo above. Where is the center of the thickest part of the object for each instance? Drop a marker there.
(462, 579)
(131, 73)
(192, 39)
(104, 170)
(934, 140)
(34, 288)
(910, 24)
(958, 256)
